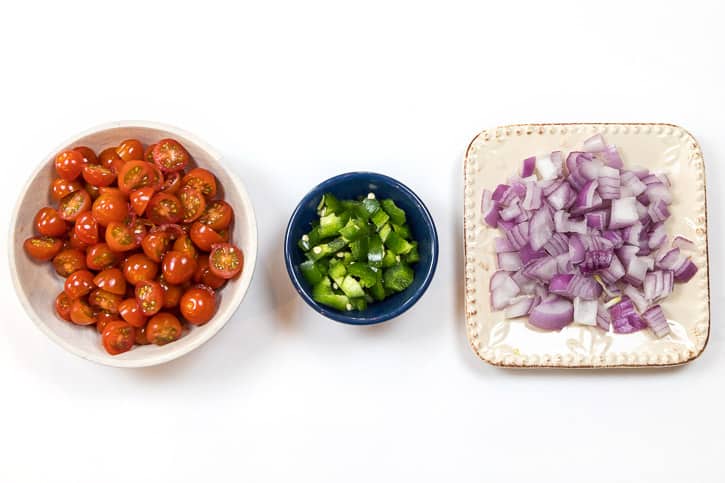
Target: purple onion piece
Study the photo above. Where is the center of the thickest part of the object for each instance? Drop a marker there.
(553, 313)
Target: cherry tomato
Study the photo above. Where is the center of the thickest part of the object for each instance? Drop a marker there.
(118, 337)
(163, 328)
(42, 248)
(218, 215)
(137, 174)
(69, 260)
(110, 159)
(178, 267)
(172, 183)
(104, 300)
(193, 203)
(98, 175)
(86, 228)
(131, 312)
(104, 318)
(169, 155)
(148, 154)
(141, 338)
(100, 256)
(111, 280)
(138, 229)
(68, 164)
(201, 179)
(150, 297)
(109, 207)
(89, 156)
(81, 313)
(78, 284)
(111, 190)
(130, 149)
(184, 244)
(60, 188)
(204, 275)
(62, 306)
(172, 293)
(164, 208)
(140, 199)
(138, 267)
(75, 242)
(226, 260)
(204, 236)
(155, 245)
(93, 190)
(74, 204)
(198, 305)
(49, 223)
(120, 237)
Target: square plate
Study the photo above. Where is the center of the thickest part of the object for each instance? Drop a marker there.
(496, 154)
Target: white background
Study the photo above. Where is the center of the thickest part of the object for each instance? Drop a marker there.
(292, 93)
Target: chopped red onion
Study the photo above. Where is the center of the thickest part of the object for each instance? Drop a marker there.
(528, 254)
(683, 243)
(518, 235)
(528, 169)
(519, 306)
(585, 311)
(613, 158)
(685, 272)
(541, 229)
(573, 285)
(625, 318)
(596, 260)
(532, 200)
(553, 313)
(614, 272)
(557, 244)
(594, 144)
(503, 293)
(637, 297)
(509, 261)
(657, 321)
(624, 213)
(542, 269)
(603, 318)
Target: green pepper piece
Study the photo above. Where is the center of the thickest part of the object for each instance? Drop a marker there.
(354, 229)
(402, 230)
(310, 239)
(375, 251)
(370, 205)
(377, 290)
(359, 303)
(310, 271)
(389, 259)
(396, 214)
(352, 287)
(323, 266)
(337, 271)
(359, 249)
(366, 274)
(398, 277)
(385, 231)
(326, 249)
(379, 218)
(397, 244)
(413, 256)
(330, 225)
(323, 294)
(332, 204)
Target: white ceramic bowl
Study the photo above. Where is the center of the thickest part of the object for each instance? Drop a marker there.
(37, 284)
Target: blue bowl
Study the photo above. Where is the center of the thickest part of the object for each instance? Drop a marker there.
(354, 186)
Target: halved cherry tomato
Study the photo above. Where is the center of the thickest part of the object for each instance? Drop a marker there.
(93, 190)
(74, 204)
(198, 305)
(111, 280)
(218, 215)
(178, 267)
(204, 275)
(78, 284)
(169, 155)
(118, 337)
(131, 312)
(163, 328)
(164, 208)
(60, 188)
(204, 236)
(137, 174)
(104, 318)
(89, 156)
(141, 338)
(120, 237)
(98, 175)
(112, 190)
(86, 228)
(62, 306)
(226, 260)
(69, 260)
(172, 293)
(81, 313)
(150, 297)
(148, 154)
(184, 244)
(100, 256)
(156, 244)
(138, 228)
(42, 248)
(75, 242)
(140, 199)
(138, 267)
(68, 164)
(130, 149)
(104, 300)
(172, 183)
(201, 179)
(110, 159)
(193, 203)
(109, 207)
(49, 223)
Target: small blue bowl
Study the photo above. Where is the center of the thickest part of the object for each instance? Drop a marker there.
(354, 186)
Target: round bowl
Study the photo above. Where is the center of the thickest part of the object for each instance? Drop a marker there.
(354, 186)
(37, 284)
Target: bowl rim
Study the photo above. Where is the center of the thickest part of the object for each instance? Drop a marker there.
(336, 315)
(174, 351)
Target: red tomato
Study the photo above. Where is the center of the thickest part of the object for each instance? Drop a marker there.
(169, 155)
(89, 156)
(184, 244)
(218, 215)
(93, 190)
(150, 297)
(100, 256)
(74, 204)
(69, 260)
(111, 280)
(74, 242)
(68, 164)
(140, 199)
(103, 319)
(178, 267)
(155, 245)
(118, 337)
(204, 275)
(148, 154)
(109, 207)
(163, 328)
(120, 237)
(198, 305)
(62, 306)
(81, 313)
(201, 179)
(110, 159)
(204, 236)
(138, 267)
(86, 228)
(78, 284)
(137, 174)
(130, 149)
(193, 203)
(226, 260)
(98, 175)
(104, 300)
(49, 223)
(164, 208)
(172, 183)
(131, 312)
(112, 190)
(141, 338)
(172, 293)
(60, 188)
(42, 248)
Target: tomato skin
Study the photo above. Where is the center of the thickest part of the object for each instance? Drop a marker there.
(104, 318)
(69, 260)
(131, 312)
(111, 280)
(172, 293)
(172, 183)
(104, 300)
(62, 306)
(205, 276)
(81, 313)
(201, 179)
(192, 202)
(100, 256)
(98, 175)
(74, 242)
(118, 337)
(68, 164)
(198, 305)
(150, 297)
(164, 208)
(169, 155)
(42, 248)
(89, 156)
(74, 204)
(184, 244)
(110, 159)
(163, 328)
(138, 267)
(109, 207)
(148, 154)
(60, 188)
(120, 237)
(218, 215)
(86, 228)
(155, 244)
(137, 174)
(49, 223)
(204, 236)
(141, 338)
(226, 260)
(130, 149)
(178, 267)
(78, 284)
(140, 199)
